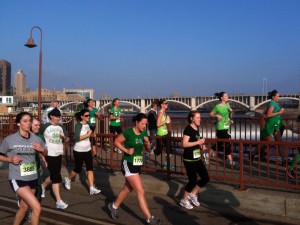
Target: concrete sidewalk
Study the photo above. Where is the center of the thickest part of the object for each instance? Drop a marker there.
(272, 202)
(264, 200)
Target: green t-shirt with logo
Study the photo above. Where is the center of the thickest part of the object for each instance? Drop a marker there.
(137, 142)
(115, 113)
(222, 110)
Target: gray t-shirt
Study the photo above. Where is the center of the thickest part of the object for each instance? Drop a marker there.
(14, 145)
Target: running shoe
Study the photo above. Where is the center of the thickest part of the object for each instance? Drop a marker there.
(43, 193)
(233, 164)
(61, 205)
(152, 151)
(164, 166)
(194, 200)
(118, 150)
(186, 204)
(290, 173)
(155, 221)
(236, 165)
(206, 157)
(67, 183)
(94, 190)
(113, 212)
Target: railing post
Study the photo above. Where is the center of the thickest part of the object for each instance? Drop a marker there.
(11, 122)
(111, 141)
(168, 146)
(241, 186)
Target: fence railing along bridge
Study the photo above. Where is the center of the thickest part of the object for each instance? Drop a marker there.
(245, 146)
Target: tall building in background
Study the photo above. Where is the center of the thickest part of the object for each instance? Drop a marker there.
(20, 85)
(5, 78)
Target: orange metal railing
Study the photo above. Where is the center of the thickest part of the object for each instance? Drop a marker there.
(268, 170)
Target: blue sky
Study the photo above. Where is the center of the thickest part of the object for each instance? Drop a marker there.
(151, 48)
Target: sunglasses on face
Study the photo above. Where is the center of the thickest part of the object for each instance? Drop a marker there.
(87, 115)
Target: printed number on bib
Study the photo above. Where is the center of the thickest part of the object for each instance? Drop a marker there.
(118, 120)
(196, 153)
(28, 169)
(138, 160)
(93, 120)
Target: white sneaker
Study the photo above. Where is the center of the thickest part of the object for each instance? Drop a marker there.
(67, 183)
(186, 204)
(194, 200)
(61, 205)
(206, 157)
(118, 150)
(94, 190)
(43, 193)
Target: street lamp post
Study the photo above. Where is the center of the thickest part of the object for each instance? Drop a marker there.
(30, 44)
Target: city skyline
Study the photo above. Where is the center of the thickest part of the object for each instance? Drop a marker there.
(154, 48)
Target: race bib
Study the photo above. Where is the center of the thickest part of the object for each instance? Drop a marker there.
(93, 120)
(118, 120)
(28, 169)
(138, 160)
(196, 154)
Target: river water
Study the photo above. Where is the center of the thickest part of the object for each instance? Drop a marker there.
(246, 125)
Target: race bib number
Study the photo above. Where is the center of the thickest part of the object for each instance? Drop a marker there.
(138, 160)
(93, 120)
(118, 120)
(196, 154)
(28, 169)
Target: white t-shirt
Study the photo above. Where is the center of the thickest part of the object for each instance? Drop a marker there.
(52, 135)
(85, 144)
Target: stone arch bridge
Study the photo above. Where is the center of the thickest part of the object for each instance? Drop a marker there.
(251, 102)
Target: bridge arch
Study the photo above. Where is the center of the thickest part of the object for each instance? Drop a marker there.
(214, 100)
(171, 100)
(121, 101)
(261, 103)
(69, 103)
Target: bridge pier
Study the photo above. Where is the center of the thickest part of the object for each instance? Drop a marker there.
(193, 103)
(143, 104)
(252, 103)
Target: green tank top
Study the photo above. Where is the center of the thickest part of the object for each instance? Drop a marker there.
(162, 130)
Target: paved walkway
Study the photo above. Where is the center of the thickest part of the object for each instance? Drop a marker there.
(221, 203)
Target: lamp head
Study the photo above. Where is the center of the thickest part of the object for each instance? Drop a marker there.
(30, 43)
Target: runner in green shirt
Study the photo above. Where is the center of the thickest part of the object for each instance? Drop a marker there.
(222, 112)
(115, 120)
(94, 115)
(131, 142)
(115, 117)
(274, 124)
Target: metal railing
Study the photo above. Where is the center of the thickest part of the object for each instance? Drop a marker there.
(263, 171)
(269, 170)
